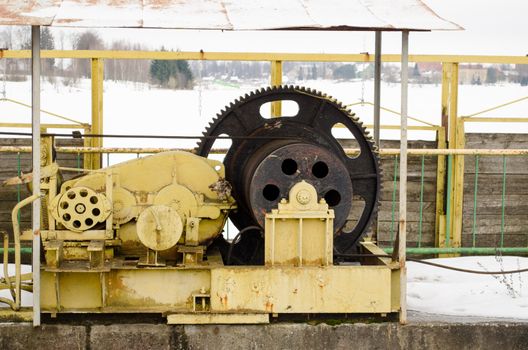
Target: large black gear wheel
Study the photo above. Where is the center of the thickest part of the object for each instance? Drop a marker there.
(269, 155)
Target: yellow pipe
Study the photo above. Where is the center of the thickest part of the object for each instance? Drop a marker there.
(497, 107)
(6, 265)
(47, 126)
(260, 56)
(493, 120)
(16, 234)
(43, 111)
(385, 151)
(389, 110)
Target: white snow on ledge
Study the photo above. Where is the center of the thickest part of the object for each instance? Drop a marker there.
(440, 291)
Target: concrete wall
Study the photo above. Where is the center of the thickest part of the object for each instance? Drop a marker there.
(274, 336)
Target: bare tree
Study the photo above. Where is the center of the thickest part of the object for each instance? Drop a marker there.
(88, 40)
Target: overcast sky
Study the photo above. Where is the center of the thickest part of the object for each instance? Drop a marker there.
(491, 28)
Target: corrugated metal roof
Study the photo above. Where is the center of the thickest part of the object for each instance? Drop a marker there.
(226, 14)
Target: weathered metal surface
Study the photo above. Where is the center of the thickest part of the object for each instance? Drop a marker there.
(285, 166)
(227, 15)
(177, 180)
(335, 289)
(236, 290)
(123, 290)
(259, 168)
(300, 231)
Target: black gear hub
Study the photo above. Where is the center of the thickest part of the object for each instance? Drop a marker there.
(268, 156)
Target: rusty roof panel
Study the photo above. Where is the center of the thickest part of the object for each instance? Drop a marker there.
(40, 12)
(226, 14)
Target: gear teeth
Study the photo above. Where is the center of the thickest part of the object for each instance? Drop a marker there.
(215, 127)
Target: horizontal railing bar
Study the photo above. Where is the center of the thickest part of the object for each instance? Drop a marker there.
(43, 111)
(497, 107)
(411, 250)
(47, 126)
(409, 127)
(463, 250)
(361, 103)
(259, 56)
(350, 151)
(494, 119)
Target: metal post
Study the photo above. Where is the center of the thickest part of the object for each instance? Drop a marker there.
(97, 110)
(403, 178)
(377, 88)
(35, 126)
(276, 80)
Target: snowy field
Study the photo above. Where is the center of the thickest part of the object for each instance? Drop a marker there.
(444, 292)
(131, 108)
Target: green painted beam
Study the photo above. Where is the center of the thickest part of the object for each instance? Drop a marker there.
(416, 251)
(22, 250)
(464, 250)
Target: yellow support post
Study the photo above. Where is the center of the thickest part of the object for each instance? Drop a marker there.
(276, 79)
(97, 109)
(87, 142)
(440, 185)
(446, 70)
(458, 211)
(455, 141)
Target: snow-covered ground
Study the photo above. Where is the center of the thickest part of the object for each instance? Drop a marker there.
(131, 108)
(440, 291)
(444, 292)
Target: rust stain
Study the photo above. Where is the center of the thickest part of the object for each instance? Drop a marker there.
(118, 3)
(269, 303)
(37, 232)
(223, 299)
(163, 4)
(67, 20)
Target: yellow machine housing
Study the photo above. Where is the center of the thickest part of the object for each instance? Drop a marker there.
(145, 249)
(169, 205)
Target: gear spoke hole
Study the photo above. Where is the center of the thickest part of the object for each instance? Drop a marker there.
(271, 192)
(289, 108)
(320, 170)
(88, 222)
(332, 197)
(358, 207)
(76, 224)
(223, 143)
(289, 166)
(93, 200)
(347, 139)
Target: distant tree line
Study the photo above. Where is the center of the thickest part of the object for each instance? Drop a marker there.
(181, 74)
(170, 74)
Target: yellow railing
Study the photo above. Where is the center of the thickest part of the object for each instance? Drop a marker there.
(449, 135)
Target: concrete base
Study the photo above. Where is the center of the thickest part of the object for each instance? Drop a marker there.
(272, 336)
